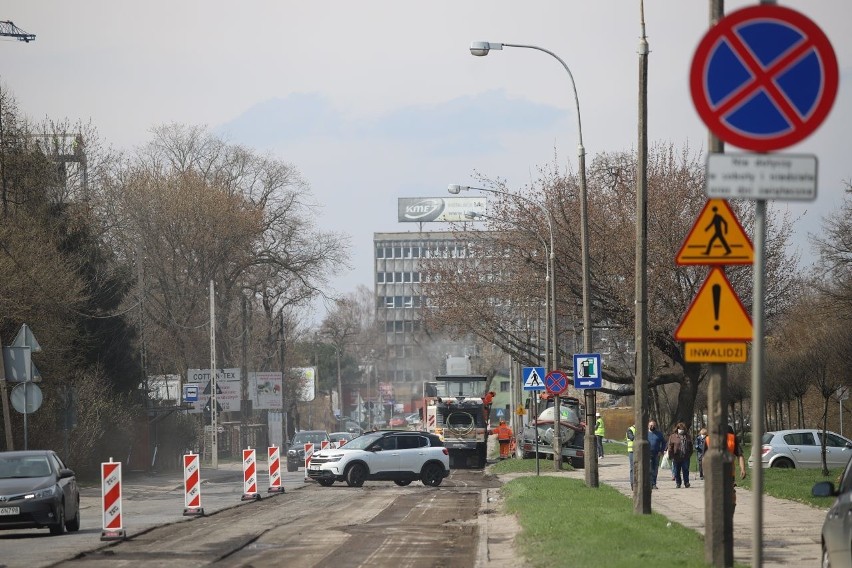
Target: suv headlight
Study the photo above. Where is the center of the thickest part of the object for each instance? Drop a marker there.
(334, 458)
(291, 453)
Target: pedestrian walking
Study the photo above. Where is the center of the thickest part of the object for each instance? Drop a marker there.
(680, 451)
(630, 436)
(732, 445)
(700, 447)
(656, 449)
(504, 437)
(600, 432)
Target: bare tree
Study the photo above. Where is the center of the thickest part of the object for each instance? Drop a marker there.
(189, 208)
(497, 291)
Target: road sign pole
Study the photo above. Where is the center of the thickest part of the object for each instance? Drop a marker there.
(757, 382)
(7, 419)
(535, 406)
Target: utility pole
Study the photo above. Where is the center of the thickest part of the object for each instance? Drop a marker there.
(718, 467)
(7, 29)
(214, 433)
(7, 421)
(282, 348)
(245, 405)
(339, 383)
(641, 450)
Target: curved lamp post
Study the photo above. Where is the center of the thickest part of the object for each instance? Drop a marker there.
(516, 390)
(481, 49)
(551, 357)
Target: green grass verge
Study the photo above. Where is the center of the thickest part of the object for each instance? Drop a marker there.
(794, 484)
(565, 523)
(612, 448)
(524, 466)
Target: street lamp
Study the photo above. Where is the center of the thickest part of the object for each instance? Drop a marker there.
(553, 363)
(551, 359)
(481, 49)
(516, 390)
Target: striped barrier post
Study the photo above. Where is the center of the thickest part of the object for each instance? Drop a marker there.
(111, 501)
(192, 486)
(324, 444)
(250, 492)
(340, 442)
(309, 452)
(274, 460)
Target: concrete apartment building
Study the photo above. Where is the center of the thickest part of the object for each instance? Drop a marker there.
(412, 354)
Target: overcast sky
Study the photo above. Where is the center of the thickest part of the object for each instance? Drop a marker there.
(376, 100)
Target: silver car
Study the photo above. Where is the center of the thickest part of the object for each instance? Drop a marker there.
(803, 448)
(837, 530)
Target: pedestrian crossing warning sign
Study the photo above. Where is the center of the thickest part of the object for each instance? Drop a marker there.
(533, 378)
(716, 313)
(716, 238)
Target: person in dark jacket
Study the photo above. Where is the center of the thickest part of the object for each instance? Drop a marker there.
(680, 451)
(656, 448)
(700, 447)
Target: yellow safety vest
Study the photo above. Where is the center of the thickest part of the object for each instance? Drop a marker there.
(629, 441)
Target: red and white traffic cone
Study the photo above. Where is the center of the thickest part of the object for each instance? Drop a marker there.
(192, 486)
(250, 492)
(111, 501)
(274, 460)
(309, 452)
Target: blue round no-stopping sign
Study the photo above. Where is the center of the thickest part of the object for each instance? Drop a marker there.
(764, 78)
(556, 382)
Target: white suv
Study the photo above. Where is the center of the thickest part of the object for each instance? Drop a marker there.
(398, 456)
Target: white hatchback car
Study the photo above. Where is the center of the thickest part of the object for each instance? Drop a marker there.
(803, 448)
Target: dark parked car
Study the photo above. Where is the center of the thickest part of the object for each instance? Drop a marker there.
(37, 490)
(836, 529)
(296, 451)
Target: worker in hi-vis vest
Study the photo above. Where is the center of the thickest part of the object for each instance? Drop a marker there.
(600, 432)
(732, 445)
(631, 435)
(504, 437)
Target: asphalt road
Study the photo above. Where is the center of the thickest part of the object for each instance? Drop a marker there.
(377, 525)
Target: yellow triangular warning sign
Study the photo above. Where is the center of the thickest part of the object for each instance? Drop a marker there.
(716, 238)
(715, 314)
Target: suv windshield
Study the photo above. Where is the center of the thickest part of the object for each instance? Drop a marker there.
(362, 442)
(309, 438)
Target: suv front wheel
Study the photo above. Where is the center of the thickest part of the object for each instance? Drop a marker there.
(432, 475)
(355, 475)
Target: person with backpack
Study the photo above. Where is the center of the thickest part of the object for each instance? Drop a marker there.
(700, 448)
(680, 452)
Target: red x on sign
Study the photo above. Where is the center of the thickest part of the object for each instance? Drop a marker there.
(764, 78)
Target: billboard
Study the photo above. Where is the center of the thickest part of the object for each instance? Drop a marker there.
(438, 209)
(265, 390)
(228, 387)
(307, 377)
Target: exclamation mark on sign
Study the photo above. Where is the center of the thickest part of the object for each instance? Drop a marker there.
(717, 297)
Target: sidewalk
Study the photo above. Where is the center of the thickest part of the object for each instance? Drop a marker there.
(791, 531)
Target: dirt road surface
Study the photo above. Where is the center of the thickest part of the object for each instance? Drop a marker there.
(378, 525)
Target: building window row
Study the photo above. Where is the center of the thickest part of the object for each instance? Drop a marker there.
(397, 277)
(442, 250)
(398, 251)
(394, 302)
(402, 326)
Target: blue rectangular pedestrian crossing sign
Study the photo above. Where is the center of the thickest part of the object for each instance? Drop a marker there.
(587, 371)
(533, 378)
